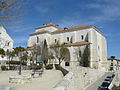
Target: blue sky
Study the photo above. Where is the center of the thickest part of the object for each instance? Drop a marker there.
(105, 14)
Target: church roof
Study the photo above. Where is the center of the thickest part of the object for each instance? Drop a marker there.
(38, 32)
(64, 29)
(113, 59)
(46, 25)
(71, 44)
(73, 27)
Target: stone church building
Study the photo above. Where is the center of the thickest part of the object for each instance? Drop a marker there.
(75, 40)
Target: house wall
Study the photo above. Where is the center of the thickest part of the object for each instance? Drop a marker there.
(97, 49)
(6, 41)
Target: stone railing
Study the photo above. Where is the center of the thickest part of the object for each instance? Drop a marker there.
(115, 81)
(64, 83)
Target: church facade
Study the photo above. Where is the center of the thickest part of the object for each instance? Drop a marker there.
(76, 40)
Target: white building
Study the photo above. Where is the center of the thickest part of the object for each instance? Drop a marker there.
(74, 39)
(6, 41)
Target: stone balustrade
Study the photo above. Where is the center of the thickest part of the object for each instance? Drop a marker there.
(62, 85)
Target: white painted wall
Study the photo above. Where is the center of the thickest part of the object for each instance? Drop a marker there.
(6, 41)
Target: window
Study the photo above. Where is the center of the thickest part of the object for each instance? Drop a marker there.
(37, 39)
(67, 64)
(82, 37)
(71, 40)
(55, 40)
(67, 39)
(8, 43)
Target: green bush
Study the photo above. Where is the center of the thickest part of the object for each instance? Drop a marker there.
(64, 71)
(3, 68)
(13, 68)
(16, 62)
(49, 66)
(36, 67)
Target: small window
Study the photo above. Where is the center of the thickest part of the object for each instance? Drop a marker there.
(71, 40)
(37, 39)
(67, 64)
(67, 39)
(82, 37)
(8, 43)
(55, 40)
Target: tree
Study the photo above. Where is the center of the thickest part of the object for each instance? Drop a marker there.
(85, 57)
(10, 55)
(113, 57)
(39, 54)
(79, 55)
(24, 57)
(2, 52)
(111, 65)
(17, 50)
(11, 10)
(60, 53)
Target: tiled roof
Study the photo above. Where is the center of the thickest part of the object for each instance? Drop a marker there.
(74, 27)
(113, 59)
(38, 32)
(71, 44)
(31, 47)
(45, 25)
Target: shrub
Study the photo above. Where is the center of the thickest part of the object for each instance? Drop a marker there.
(49, 66)
(64, 71)
(13, 68)
(3, 68)
(36, 67)
(16, 62)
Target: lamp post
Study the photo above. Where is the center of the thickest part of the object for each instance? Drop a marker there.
(20, 67)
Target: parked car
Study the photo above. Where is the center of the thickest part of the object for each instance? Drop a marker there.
(104, 86)
(113, 75)
(109, 77)
(109, 80)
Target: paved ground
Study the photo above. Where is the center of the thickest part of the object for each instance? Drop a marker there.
(96, 84)
(46, 82)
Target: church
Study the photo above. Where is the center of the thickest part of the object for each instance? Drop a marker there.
(77, 41)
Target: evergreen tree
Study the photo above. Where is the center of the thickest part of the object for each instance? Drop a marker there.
(85, 58)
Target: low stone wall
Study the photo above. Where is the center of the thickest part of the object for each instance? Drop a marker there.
(115, 81)
(19, 79)
(62, 85)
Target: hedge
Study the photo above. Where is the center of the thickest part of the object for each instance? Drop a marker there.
(3, 68)
(49, 66)
(16, 62)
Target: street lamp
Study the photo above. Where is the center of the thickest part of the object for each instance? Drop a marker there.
(20, 67)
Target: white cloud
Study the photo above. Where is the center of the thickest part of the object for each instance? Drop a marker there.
(109, 10)
(41, 9)
(101, 11)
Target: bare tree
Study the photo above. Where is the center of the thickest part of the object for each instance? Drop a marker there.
(59, 53)
(39, 53)
(11, 9)
(78, 53)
